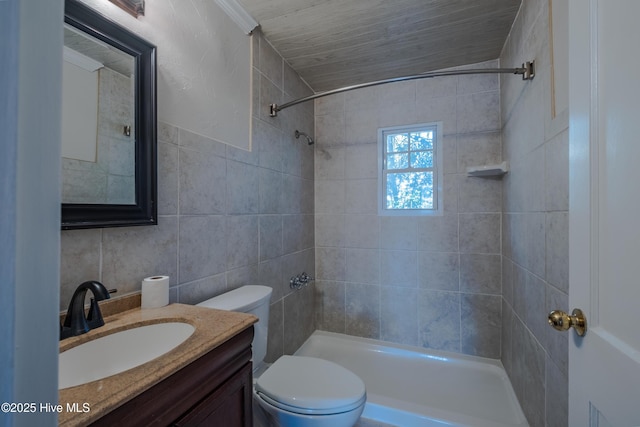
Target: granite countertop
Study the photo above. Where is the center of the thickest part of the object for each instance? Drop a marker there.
(212, 328)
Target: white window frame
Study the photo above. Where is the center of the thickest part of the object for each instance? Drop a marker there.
(437, 170)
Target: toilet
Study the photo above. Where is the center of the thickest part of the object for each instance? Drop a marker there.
(294, 390)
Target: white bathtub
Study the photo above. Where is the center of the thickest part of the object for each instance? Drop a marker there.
(409, 386)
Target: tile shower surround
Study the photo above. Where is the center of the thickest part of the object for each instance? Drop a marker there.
(430, 281)
(535, 226)
(227, 217)
(442, 282)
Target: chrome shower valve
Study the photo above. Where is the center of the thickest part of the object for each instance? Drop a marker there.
(300, 281)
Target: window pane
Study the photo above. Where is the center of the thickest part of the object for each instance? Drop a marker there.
(422, 159)
(422, 140)
(397, 142)
(398, 161)
(410, 190)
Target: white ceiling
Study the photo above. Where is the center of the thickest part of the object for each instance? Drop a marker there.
(336, 43)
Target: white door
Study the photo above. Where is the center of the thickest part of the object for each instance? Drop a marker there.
(604, 108)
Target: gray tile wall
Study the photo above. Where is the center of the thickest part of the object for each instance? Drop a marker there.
(535, 225)
(427, 281)
(227, 217)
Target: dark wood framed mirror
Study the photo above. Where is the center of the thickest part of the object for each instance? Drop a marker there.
(115, 185)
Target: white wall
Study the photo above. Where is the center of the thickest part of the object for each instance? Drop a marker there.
(8, 133)
(30, 90)
(204, 66)
(79, 112)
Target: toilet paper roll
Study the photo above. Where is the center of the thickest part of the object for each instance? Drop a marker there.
(155, 291)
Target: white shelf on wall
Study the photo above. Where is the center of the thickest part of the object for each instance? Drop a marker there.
(495, 170)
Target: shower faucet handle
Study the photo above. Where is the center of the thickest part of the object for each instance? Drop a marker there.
(299, 281)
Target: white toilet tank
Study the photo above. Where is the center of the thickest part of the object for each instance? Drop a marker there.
(253, 299)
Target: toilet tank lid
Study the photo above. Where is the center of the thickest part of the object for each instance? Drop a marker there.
(243, 299)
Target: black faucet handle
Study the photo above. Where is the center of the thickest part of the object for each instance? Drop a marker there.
(94, 317)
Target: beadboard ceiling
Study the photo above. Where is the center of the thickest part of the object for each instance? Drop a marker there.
(336, 43)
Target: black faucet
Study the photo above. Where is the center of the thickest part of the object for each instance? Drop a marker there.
(75, 322)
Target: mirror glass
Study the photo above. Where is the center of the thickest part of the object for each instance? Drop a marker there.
(98, 145)
(108, 123)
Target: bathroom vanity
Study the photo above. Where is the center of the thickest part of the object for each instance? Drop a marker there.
(213, 390)
(206, 380)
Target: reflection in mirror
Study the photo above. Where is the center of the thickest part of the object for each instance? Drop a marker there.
(98, 149)
(109, 123)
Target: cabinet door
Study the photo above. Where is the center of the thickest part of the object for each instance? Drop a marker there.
(229, 405)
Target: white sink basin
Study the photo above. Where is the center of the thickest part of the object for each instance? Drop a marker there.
(118, 352)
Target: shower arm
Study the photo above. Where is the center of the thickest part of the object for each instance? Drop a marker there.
(527, 71)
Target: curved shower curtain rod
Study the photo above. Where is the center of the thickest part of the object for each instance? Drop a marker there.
(527, 71)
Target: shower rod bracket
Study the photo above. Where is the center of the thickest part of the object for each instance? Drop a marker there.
(527, 71)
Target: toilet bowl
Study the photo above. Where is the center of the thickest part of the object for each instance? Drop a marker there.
(308, 391)
(294, 390)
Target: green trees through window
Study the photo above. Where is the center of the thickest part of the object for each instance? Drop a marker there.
(409, 168)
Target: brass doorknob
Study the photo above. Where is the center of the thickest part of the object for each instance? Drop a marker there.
(561, 321)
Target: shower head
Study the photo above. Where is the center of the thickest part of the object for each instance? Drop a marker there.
(309, 139)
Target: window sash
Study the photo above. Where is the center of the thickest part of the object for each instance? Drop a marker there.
(408, 151)
(414, 195)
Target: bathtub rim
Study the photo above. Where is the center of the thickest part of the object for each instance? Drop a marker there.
(442, 355)
(438, 417)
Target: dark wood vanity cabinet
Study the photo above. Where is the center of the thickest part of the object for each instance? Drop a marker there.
(214, 390)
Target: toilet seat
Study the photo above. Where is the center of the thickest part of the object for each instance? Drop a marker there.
(310, 386)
